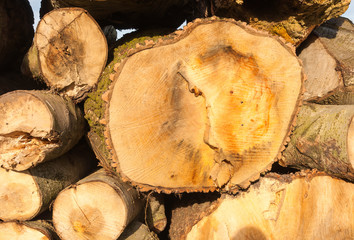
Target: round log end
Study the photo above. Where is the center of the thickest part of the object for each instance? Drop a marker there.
(72, 51)
(213, 112)
(16, 230)
(20, 198)
(25, 130)
(92, 210)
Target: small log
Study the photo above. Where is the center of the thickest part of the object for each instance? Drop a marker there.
(323, 139)
(327, 57)
(126, 14)
(33, 230)
(155, 215)
(68, 53)
(36, 126)
(137, 231)
(307, 206)
(292, 20)
(24, 195)
(16, 32)
(165, 123)
(97, 207)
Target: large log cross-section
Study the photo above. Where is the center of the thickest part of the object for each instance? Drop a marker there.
(207, 108)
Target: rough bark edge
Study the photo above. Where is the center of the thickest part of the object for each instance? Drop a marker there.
(95, 106)
(144, 44)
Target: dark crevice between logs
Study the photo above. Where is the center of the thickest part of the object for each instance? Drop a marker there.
(195, 204)
(277, 168)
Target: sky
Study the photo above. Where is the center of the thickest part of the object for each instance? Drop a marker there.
(36, 6)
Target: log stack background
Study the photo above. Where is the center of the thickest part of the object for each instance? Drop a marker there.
(238, 126)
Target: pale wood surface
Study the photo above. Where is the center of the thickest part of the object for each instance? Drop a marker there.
(312, 207)
(337, 35)
(328, 61)
(36, 126)
(33, 230)
(97, 207)
(24, 195)
(69, 52)
(213, 110)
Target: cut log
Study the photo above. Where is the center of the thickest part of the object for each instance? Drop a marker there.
(292, 20)
(323, 139)
(155, 215)
(280, 207)
(34, 230)
(125, 14)
(24, 195)
(36, 126)
(212, 111)
(68, 53)
(16, 32)
(328, 61)
(97, 207)
(137, 231)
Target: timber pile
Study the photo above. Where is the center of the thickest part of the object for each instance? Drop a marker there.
(238, 126)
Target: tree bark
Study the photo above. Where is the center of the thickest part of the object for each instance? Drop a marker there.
(165, 123)
(328, 63)
(97, 207)
(68, 53)
(16, 32)
(137, 231)
(34, 230)
(24, 195)
(291, 19)
(126, 14)
(323, 139)
(155, 215)
(311, 206)
(36, 126)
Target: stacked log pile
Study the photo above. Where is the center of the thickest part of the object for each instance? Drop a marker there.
(238, 126)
